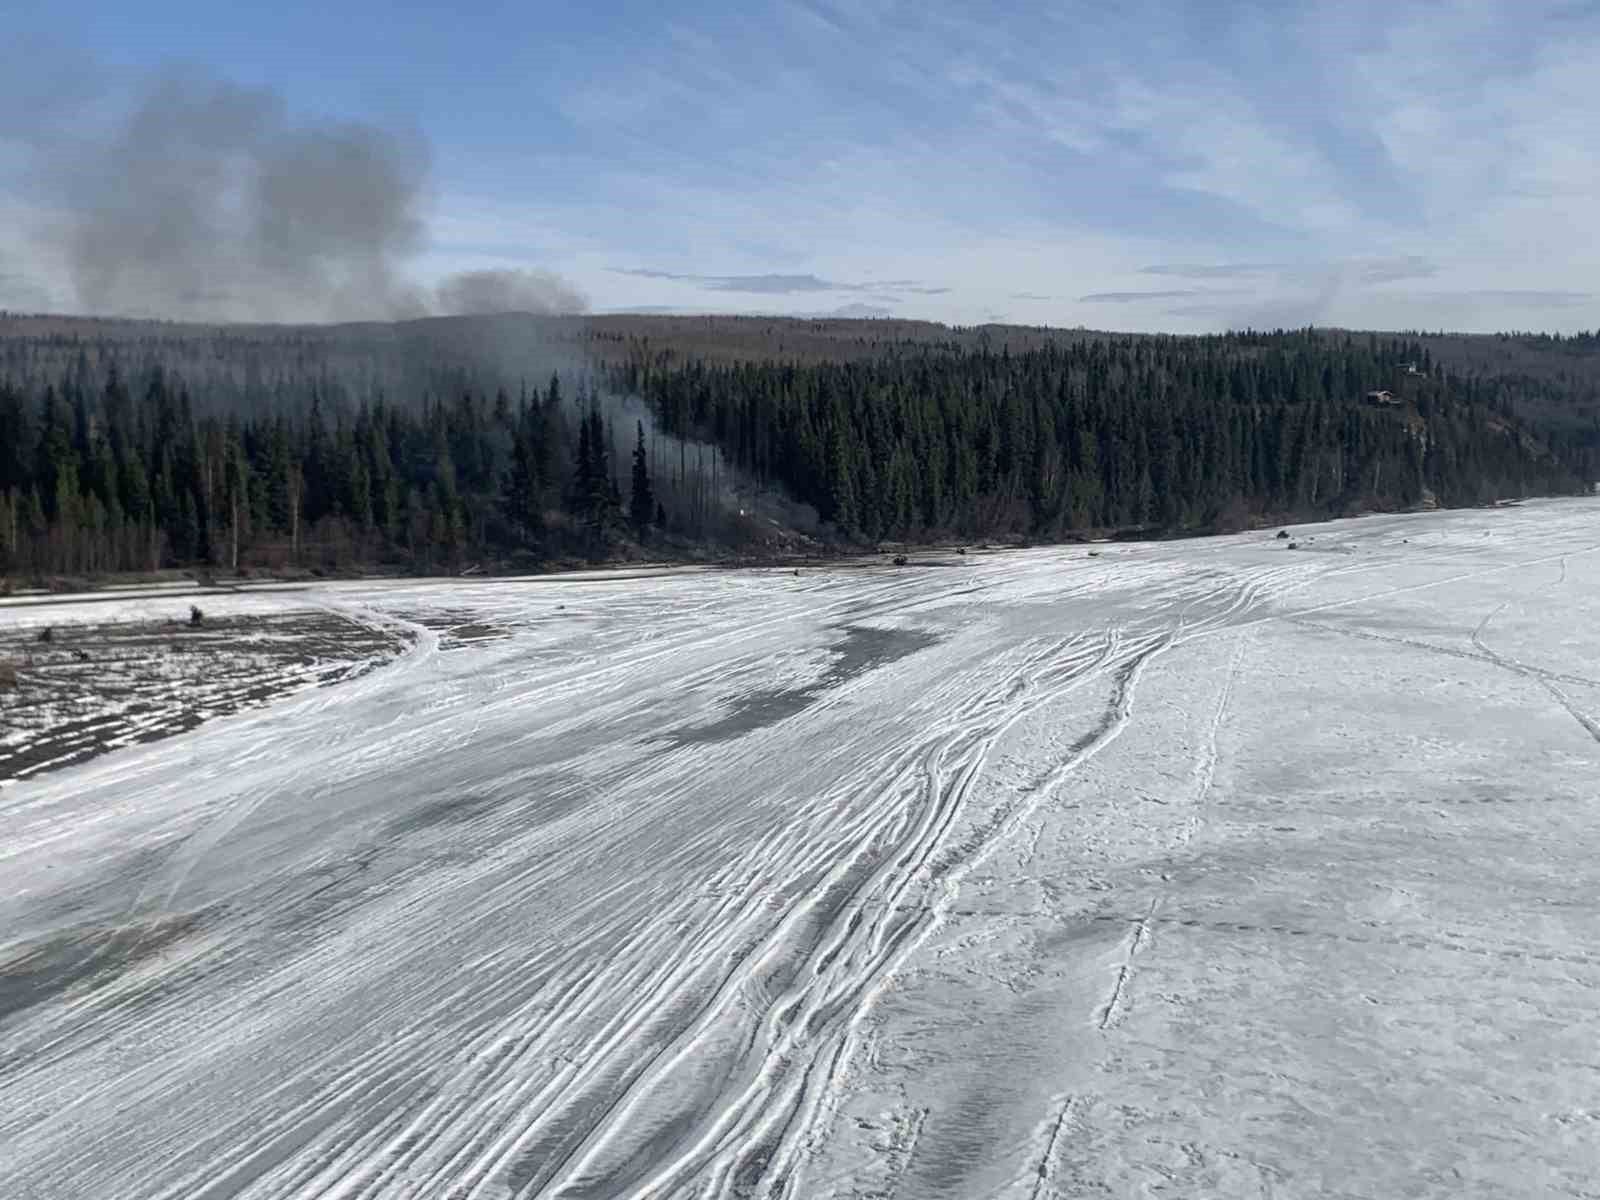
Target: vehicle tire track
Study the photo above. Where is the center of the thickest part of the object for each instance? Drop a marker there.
(1590, 726)
(1045, 1177)
(807, 1035)
(783, 1180)
(1111, 1012)
(1446, 651)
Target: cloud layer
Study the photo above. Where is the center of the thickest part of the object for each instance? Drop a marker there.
(1144, 165)
(1369, 166)
(787, 285)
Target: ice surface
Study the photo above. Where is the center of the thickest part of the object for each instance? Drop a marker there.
(100, 684)
(1194, 869)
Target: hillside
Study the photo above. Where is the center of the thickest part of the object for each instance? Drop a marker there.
(514, 440)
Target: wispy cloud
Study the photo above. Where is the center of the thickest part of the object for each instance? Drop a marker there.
(784, 285)
(1520, 298)
(1383, 270)
(1212, 270)
(762, 285)
(1134, 297)
(854, 312)
(1359, 164)
(1390, 270)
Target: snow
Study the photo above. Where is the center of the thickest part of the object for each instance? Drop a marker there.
(99, 684)
(1194, 869)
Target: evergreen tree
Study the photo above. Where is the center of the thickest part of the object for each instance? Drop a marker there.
(116, 458)
(642, 505)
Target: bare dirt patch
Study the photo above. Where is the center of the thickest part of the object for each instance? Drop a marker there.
(94, 688)
(457, 628)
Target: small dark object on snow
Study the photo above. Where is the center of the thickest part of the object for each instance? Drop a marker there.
(1094, 554)
(81, 655)
(1283, 534)
(47, 635)
(1294, 545)
(961, 549)
(196, 617)
(899, 560)
(797, 572)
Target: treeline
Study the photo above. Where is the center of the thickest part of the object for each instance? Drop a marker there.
(1114, 433)
(130, 478)
(112, 460)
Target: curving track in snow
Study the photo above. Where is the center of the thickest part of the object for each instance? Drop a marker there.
(990, 877)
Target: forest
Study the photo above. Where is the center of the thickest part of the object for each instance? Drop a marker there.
(1129, 433)
(503, 445)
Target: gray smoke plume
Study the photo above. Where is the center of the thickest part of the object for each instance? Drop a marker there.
(209, 202)
(704, 493)
(503, 291)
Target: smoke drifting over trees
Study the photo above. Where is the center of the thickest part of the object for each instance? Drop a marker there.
(208, 201)
(542, 292)
(431, 446)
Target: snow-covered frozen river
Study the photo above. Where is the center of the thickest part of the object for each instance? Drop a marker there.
(1197, 869)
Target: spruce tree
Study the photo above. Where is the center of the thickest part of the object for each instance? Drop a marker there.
(520, 492)
(642, 505)
(584, 472)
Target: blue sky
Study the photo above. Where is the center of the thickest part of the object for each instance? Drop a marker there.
(1182, 166)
